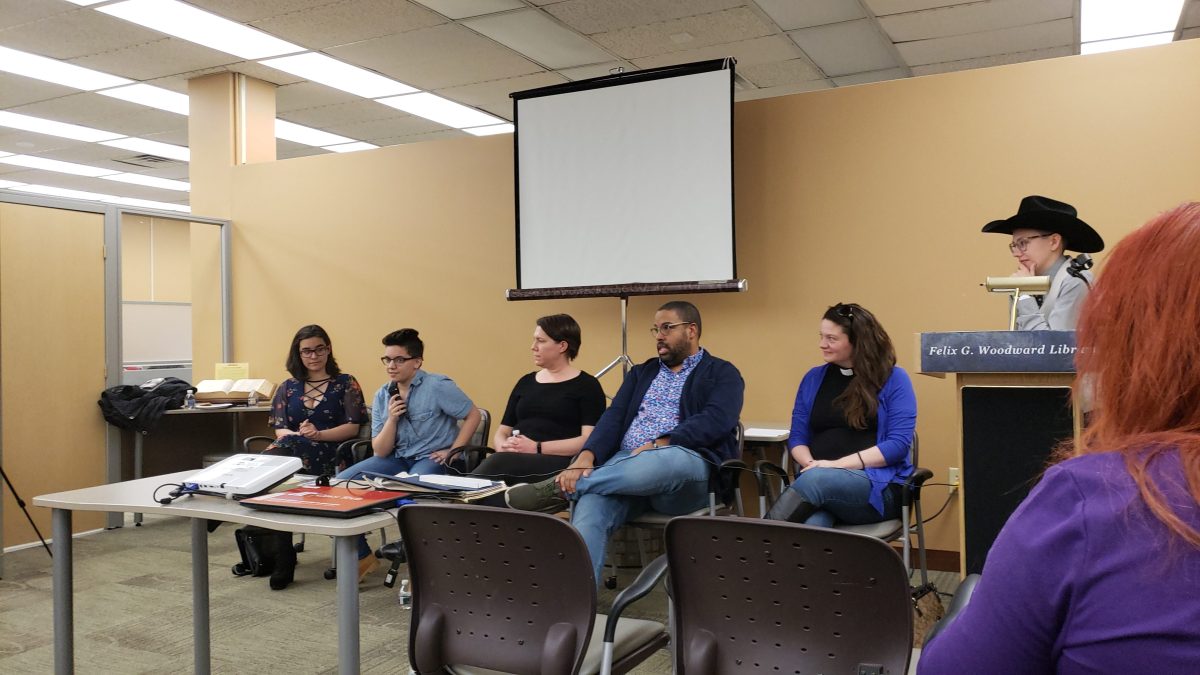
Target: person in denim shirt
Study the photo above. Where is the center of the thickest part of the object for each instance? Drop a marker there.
(414, 420)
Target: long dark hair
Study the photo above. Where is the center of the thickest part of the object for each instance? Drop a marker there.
(873, 360)
(295, 365)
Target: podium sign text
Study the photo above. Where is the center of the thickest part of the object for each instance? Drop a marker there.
(999, 351)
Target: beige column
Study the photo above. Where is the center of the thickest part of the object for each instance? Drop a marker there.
(231, 121)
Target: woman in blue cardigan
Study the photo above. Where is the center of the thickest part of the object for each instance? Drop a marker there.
(852, 427)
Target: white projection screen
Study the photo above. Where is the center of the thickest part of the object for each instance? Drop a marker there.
(626, 180)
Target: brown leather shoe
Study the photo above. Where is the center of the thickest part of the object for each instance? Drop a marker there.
(366, 566)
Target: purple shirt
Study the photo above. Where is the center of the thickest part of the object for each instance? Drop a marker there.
(659, 412)
(1083, 579)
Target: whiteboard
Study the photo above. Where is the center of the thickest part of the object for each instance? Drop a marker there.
(156, 332)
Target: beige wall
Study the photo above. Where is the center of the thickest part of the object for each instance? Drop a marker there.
(873, 194)
(156, 259)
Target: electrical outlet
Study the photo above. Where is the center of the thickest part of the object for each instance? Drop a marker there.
(952, 478)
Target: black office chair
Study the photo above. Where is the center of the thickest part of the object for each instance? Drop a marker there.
(512, 591)
(911, 520)
(772, 597)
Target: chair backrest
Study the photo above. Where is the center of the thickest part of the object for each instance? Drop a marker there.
(785, 598)
(496, 588)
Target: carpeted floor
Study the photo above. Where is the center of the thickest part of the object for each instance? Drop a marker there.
(133, 609)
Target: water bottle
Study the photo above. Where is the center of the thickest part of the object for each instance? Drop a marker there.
(405, 594)
(189, 400)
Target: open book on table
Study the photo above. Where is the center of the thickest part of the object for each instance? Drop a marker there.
(234, 391)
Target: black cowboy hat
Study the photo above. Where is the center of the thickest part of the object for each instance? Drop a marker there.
(1049, 215)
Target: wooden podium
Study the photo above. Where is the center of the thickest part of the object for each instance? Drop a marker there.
(1014, 407)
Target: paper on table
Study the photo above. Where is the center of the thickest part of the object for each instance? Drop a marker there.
(456, 481)
(763, 431)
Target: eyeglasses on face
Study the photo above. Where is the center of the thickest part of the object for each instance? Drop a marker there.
(315, 352)
(398, 360)
(1022, 244)
(666, 328)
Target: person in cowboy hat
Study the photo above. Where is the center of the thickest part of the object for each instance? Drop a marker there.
(1042, 230)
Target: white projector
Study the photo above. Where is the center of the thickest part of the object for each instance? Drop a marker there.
(244, 475)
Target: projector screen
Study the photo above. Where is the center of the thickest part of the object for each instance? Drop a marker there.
(626, 180)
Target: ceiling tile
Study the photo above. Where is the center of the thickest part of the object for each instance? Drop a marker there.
(18, 90)
(595, 70)
(747, 52)
(173, 136)
(537, 36)
(1005, 41)
(28, 143)
(461, 9)
(873, 76)
(1191, 14)
(885, 7)
(158, 58)
(396, 125)
(685, 34)
(245, 11)
(18, 12)
(791, 15)
(348, 21)
(444, 134)
(437, 57)
(974, 18)
(782, 90)
(70, 35)
(288, 150)
(776, 73)
(105, 113)
(354, 112)
(990, 61)
(309, 95)
(601, 16)
(98, 185)
(493, 96)
(846, 48)
(265, 73)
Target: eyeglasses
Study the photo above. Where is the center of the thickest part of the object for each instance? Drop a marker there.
(666, 328)
(1021, 244)
(315, 352)
(398, 360)
(844, 311)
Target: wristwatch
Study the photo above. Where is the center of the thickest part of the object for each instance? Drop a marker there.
(539, 447)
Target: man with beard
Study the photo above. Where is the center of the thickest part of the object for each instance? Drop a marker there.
(673, 421)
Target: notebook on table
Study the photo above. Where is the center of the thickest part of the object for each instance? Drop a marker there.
(338, 501)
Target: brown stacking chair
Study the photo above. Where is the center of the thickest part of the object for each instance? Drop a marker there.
(771, 597)
(512, 591)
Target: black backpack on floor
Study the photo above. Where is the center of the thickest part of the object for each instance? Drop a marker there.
(265, 552)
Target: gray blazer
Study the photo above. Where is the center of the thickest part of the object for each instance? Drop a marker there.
(1061, 305)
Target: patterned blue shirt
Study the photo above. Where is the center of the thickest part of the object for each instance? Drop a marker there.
(659, 412)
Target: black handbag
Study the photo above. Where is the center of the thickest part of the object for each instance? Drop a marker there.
(265, 552)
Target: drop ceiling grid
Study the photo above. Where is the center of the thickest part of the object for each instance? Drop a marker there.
(686, 34)
(989, 43)
(348, 21)
(974, 18)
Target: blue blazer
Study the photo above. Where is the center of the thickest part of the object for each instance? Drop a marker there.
(709, 408)
(897, 415)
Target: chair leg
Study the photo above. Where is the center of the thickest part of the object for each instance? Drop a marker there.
(921, 545)
(904, 518)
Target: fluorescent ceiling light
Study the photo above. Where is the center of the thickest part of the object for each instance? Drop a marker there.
(1107, 19)
(150, 181)
(204, 28)
(440, 110)
(1134, 42)
(51, 70)
(52, 191)
(491, 130)
(9, 184)
(350, 147)
(290, 131)
(152, 96)
(52, 128)
(333, 73)
(32, 162)
(150, 147)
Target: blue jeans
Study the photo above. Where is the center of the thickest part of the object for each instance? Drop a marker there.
(389, 465)
(841, 496)
(671, 480)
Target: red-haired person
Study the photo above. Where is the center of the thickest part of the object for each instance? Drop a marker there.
(1098, 571)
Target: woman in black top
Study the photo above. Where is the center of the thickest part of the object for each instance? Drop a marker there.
(549, 413)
